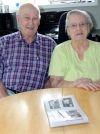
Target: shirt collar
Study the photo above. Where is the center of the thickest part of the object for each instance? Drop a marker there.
(36, 40)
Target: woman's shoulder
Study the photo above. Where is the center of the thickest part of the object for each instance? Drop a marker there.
(94, 43)
(64, 45)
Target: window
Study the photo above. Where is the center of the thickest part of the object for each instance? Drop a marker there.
(49, 2)
(13, 5)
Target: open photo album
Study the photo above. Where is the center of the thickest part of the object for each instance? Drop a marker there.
(64, 111)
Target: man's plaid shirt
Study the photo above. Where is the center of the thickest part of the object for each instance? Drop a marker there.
(24, 66)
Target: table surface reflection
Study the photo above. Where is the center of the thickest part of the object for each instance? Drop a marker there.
(24, 113)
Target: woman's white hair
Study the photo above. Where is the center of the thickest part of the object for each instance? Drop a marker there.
(80, 12)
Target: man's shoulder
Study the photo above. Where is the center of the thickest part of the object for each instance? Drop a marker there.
(45, 37)
(10, 36)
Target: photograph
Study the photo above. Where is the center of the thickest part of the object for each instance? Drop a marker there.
(54, 104)
(67, 102)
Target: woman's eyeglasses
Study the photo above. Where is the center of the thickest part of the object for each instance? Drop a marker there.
(82, 25)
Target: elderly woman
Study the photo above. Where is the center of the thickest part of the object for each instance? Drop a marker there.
(76, 63)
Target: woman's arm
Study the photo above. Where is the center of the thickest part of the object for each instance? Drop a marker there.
(85, 83)
(58, 81)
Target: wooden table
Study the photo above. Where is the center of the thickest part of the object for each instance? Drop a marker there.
(24, 113)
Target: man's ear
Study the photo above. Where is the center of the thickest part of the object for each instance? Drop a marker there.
(17, 18)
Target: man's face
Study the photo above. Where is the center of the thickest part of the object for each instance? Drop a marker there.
(28, 21)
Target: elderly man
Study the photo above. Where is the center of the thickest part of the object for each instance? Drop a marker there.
(25, 55)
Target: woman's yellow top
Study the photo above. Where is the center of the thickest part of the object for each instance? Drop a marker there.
(65, 62)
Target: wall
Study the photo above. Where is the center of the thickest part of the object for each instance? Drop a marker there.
(93, 10)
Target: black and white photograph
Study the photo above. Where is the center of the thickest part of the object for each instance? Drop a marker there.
(54, 104)
(67, 102)
(74, 114)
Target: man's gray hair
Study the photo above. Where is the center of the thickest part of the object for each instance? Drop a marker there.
(18, 12)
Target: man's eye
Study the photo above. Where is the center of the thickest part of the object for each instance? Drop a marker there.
(74, 25)
(27, 18)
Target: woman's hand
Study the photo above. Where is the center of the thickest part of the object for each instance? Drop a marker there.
(87, 84)
(97, 83)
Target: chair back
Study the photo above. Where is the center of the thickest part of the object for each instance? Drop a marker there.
(62, 34)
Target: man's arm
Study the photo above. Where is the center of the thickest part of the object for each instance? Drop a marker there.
(3, 91)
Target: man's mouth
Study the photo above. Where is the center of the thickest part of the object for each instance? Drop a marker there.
(79, 34)
(30, 28)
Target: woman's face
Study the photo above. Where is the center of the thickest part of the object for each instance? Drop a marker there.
(78, 27)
